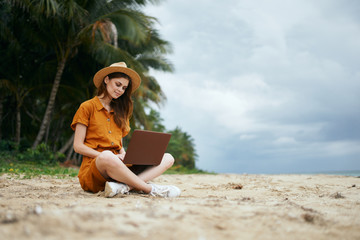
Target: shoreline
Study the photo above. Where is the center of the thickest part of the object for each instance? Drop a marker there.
(350, 173)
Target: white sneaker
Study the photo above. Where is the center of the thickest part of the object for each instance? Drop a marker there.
(165, 191)
(113, 188)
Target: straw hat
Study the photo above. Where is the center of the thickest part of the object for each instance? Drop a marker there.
(118, 67)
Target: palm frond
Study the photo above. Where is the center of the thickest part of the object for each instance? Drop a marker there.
(9, 85)
(72, 11)
(157, 62)
(107, 54)
(139, 115)
(47, 7)
(21, 4)
(132, 26)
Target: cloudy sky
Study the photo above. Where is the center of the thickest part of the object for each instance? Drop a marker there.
(264, 86)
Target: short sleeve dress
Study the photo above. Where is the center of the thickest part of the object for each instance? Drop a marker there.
(102, 134)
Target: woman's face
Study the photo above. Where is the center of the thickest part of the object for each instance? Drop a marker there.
(116, 86)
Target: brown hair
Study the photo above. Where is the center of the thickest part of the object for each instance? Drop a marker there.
(122, 106)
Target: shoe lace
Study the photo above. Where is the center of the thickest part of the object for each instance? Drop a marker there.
(125, 189)
(158, 190)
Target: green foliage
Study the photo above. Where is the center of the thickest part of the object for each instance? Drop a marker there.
(178, 169)
(182, 147)
(41, 154)
(7, 146)
(32, 163)
(154, 121)
(85, 36)
(35, 169)
(89, 36)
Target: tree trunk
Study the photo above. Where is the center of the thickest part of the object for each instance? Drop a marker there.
(18, 126)
(50, 106)
(56, 135)
(67, 145)
(48, 127)
(69, 154)
(1, 112)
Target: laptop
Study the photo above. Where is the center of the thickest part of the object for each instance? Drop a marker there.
(146, 147)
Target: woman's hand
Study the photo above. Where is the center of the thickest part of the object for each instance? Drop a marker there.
(121, 155)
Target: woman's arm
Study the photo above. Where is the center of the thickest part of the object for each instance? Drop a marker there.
(79, 146)
(122, 152)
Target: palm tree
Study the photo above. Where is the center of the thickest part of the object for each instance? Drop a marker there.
(92, 34)
(141, 57)
(63, 26)
(17, 62)
(149, 55)
(20, 94)
(182, 147)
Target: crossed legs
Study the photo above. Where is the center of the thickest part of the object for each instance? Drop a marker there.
(110, 166)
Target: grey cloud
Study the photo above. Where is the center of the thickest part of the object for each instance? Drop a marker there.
(305, 55)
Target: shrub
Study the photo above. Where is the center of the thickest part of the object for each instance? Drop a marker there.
(42, 154)
(7, 146)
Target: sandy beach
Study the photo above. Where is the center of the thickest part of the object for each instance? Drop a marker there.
(224, 206)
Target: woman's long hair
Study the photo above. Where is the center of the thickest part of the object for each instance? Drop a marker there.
(122, 106)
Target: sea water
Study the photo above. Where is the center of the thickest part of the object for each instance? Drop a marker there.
(354, 173)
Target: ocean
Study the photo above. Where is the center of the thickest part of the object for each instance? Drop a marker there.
(353, 173)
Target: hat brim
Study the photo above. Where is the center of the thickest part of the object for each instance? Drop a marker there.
(101, 74)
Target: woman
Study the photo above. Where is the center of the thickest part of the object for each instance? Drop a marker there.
(100, 124)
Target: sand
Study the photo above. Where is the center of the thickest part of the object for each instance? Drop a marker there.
(224, 206)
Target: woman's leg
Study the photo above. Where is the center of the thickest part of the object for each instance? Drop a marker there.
(155, 171)
(110, 166)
